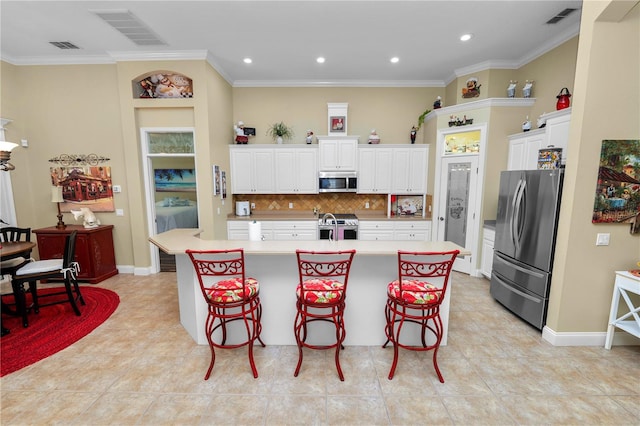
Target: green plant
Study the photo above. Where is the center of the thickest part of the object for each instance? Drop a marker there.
(421, 118)
(280, 129)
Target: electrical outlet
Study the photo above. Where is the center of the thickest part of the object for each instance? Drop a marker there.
(290, 205)
(602, 239)
(119, 212)
(253, 206)
(366, 205)
(116, 188)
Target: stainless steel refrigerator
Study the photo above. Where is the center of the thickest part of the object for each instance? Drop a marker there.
(526, 225)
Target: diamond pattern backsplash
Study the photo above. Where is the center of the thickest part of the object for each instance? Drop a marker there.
(329, 202)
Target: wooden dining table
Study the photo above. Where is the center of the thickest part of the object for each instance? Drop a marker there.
(11, 250)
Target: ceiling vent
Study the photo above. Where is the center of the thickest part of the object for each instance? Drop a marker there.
(130, 26)
(560, 16)
(65, 45)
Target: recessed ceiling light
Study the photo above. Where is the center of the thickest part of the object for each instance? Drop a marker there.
(320, 60)
(247, 60)
(395, 60)
(466, 37)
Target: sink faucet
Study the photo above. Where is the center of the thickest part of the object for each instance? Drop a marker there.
(333, 235)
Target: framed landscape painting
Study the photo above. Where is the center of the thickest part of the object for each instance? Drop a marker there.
(175, 180)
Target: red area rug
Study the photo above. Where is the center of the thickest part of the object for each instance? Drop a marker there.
(53, 329)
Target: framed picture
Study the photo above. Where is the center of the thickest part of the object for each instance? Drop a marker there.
(84, 187)
(216, 180)
(175, 180)
(338, 124)
(249, 131)
(407, 205)
(617, 198)
(223, 183)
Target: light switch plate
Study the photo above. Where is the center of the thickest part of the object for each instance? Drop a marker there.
(119, 212)
(602, 239)
(116, 188)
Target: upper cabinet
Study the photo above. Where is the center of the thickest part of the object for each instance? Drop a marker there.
(374, 170)
(252, 170)
(337, 153)
(409, 169)
(296, 170)
(524, 147)
(523, 150)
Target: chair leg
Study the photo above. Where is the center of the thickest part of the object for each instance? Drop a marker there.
(438, 331)
(209, 331)
(72, 300)
(21, 301)
(297, 328)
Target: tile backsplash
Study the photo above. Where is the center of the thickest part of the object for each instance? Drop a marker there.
(327, 202)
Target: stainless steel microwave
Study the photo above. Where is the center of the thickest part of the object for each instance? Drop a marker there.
(337, 182)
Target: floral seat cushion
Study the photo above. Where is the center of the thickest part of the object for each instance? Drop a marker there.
(321, 291)
(415, 292)
(230, 290)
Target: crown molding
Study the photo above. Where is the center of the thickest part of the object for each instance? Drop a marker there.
(338, 83)
(182, 55)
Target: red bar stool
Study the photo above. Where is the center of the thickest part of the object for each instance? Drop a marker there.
(415, 297)
(321, 295)
(230, 297)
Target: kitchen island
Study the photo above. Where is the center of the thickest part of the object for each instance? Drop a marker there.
(274, 265)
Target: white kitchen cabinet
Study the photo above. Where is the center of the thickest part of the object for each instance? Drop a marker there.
(337, 154)
(374, 170)
(486, 263)
(296, 170)
(418, 230)
(252, 170)
(524, 147)
(239, 230)
(375, 230)
(295, 230)
(523, 150)
(409, 169)
(557, 130)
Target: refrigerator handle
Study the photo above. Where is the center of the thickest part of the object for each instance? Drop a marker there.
(515, 220)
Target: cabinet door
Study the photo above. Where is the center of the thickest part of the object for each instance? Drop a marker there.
(516, 155)
(532, 148)
(337, 155)
(557, 134)
(307, 166)
(374, 170)
(252, 171)
(409, 171)
(263, 170)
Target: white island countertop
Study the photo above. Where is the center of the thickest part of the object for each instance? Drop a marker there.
(274, 264)
(176, 241)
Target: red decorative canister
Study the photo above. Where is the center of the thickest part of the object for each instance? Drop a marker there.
(563, 99)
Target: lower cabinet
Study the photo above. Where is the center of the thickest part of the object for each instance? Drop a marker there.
(274, 230)
(418, 230)
(375, 230)
(486, 264)
(94, 249)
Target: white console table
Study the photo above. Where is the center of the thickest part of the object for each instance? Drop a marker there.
(625, 283)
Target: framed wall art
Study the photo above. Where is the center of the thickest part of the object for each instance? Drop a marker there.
(337, 118)
(89, 187)
(617, 198)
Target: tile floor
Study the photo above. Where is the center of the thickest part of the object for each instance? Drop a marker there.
(141, 368)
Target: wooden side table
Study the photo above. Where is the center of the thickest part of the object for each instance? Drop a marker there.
(94, 249)
(625, 283)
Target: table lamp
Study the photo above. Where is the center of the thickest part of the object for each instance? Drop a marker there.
(56, 197)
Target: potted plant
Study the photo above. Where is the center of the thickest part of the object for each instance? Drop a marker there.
(280, 131)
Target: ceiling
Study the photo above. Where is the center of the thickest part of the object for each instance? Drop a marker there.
(283, 38)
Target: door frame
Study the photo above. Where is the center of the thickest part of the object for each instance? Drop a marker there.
(149, 186)
(466, 264)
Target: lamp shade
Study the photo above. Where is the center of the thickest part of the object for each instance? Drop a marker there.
(7, 146)
(56, 194)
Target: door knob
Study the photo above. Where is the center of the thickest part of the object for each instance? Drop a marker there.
(440, 218)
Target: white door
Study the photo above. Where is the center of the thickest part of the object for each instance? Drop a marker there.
(456, 213)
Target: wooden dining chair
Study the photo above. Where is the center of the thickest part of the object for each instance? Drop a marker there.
(51, 271)
(12, 234)
(415, 298)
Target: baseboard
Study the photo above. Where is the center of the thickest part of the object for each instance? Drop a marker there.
(587, 338)
(130, 269)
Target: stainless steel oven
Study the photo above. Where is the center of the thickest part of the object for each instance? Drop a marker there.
(345, 227)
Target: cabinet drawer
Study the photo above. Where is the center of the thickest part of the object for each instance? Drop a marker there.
(413, 226)
(373, 226)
